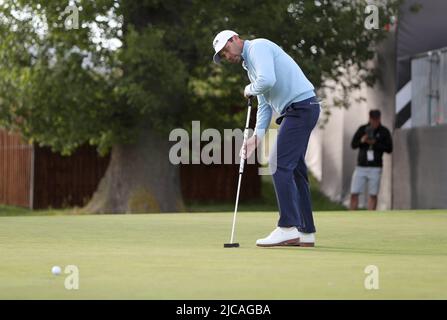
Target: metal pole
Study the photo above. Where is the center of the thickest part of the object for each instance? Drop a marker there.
(241, 169)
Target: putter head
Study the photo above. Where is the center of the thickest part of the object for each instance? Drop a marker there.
(231, 245)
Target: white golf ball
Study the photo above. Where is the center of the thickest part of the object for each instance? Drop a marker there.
(56, 270)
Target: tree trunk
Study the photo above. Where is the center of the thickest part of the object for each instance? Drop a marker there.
(139, 178)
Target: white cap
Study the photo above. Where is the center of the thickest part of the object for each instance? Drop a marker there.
(220, 41)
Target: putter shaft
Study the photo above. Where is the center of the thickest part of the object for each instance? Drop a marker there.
(235, 207)
(241, 170)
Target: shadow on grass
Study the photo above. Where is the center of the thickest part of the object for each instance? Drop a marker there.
(399, 251)
(11, 211)
(352, 250)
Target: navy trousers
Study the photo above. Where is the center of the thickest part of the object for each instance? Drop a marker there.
(288, 168)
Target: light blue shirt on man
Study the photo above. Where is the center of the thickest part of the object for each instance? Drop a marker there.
(276, 79)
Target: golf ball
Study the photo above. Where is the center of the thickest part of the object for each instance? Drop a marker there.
(56, 270)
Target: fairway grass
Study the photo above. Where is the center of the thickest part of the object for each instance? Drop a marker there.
(181, 256)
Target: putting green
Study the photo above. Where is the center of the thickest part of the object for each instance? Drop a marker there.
(181, 256)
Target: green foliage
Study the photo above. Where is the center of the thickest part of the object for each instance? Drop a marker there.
(267, 201)
(154, 78)
(65, 87)
(327, 38)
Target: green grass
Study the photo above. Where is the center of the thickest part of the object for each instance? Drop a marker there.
(181, 256)
(11, 211)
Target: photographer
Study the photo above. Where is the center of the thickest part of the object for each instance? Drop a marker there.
(373, 140)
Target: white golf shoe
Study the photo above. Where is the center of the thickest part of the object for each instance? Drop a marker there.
(307, 239)
(287, 237)
(280, 237)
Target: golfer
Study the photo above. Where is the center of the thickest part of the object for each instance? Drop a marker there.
(279, 85)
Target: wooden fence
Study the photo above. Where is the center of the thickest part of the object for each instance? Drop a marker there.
(37, 178)
(15, 170)
(64, 181)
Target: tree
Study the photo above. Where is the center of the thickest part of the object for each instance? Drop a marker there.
(327, 38)
(125, 73)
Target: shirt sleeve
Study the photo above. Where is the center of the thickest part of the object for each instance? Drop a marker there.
(356, 140)
(262, 60)
(263, 117)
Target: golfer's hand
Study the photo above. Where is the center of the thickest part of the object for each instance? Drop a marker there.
(248, 148)
(247, 93)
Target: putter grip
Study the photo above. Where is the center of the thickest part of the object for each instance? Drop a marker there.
(242, 162)
(250, 101)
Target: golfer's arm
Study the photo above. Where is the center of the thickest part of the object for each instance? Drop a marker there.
(263, 62)
(263, 117)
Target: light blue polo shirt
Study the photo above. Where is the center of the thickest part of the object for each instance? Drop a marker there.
(276, 80)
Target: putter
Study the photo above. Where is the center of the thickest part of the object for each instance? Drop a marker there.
(241, 170)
